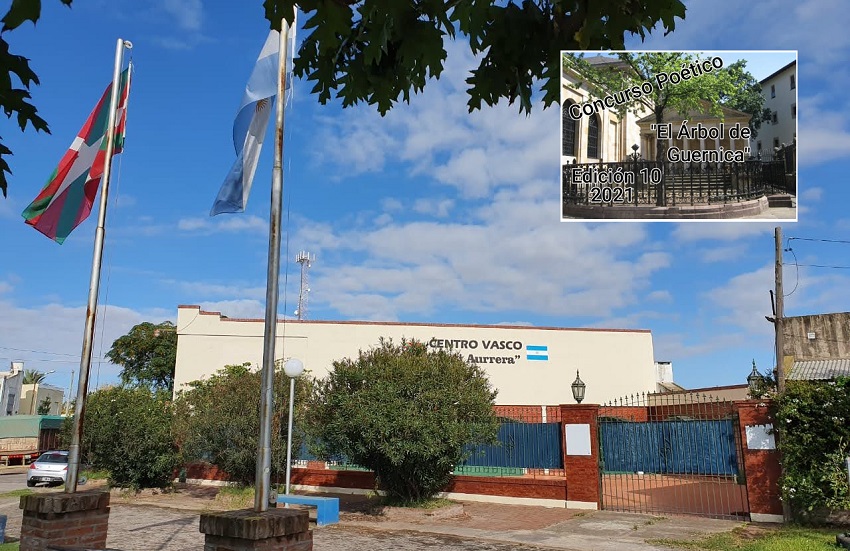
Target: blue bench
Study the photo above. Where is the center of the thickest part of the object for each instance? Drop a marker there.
(327, 508)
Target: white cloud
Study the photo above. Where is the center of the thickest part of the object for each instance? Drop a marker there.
(5, 287)
(660, 296)
(246, 308)
(812, 194)
(720, 231)
(188, 14)
(434, 207)
(235, 223)
(193, 289)
(57, 342)
(723, 254)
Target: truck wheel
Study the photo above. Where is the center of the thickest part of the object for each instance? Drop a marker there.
(30, 483)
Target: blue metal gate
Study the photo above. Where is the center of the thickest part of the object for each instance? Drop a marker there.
(672, 453)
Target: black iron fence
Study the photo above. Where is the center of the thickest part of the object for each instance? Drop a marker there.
(642, 182)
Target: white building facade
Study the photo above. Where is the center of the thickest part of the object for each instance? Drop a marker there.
(527, 365)
(10, 388)
(780, 97)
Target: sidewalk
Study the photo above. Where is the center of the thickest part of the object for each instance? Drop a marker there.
(169, 522)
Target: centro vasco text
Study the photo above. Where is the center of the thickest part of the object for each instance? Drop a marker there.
(453, 344)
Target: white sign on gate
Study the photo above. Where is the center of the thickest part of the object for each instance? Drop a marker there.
(578, 439)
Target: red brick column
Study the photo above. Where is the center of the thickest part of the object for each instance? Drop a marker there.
(581, 464)
(248, 530)
(761, 461)
(61, 519)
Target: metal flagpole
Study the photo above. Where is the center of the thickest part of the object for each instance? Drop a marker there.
(94, 285)
(264, 452)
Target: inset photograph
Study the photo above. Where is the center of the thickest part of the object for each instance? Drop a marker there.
(673, 136)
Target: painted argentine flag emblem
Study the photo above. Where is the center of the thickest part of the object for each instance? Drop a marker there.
(537, 352)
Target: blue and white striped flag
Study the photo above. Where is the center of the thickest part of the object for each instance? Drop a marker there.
(537, 352)
(249, 128)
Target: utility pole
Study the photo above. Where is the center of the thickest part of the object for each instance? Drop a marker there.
(70, 389)
(780, 314)
(779, 325)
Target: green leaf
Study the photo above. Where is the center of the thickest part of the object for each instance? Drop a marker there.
(19, 12)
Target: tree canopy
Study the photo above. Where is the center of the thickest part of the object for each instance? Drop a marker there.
(33, 377)
(404, 412)
(217, 420)
(379, 51)
(147, 354)
(704, 90)
(14, 98)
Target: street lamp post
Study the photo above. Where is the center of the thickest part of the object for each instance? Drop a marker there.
(293, 368)
(578, 387)
(754, 382)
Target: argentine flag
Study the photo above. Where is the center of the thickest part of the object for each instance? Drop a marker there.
(249, 128)
(537, 352)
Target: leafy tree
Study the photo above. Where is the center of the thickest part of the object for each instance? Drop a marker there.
(378, 51)
(127, 431)
(746, 95)
(217, 420)
(33, 377)
(707, 91)
(13, 100)
(813, 421)
(44, 407)
(148, 354)
(405, 413)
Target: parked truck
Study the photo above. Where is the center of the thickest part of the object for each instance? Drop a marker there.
(24, 437)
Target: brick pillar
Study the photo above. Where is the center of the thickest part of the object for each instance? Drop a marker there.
(61, 519)
(248, 530)
(761, 461)
(579, 426)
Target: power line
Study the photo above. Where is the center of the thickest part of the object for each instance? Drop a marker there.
(824, 266)
(842, 241)
(39, 351)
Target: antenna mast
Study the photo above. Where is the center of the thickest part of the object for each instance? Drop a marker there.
(306, 260)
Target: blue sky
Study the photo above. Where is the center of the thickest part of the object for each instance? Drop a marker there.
(428, 214)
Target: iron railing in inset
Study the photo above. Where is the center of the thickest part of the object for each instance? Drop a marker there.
(676, 453)
(642, 182)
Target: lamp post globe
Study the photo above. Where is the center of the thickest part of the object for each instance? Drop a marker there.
(293, 367)
(578, 387)
(754, 380)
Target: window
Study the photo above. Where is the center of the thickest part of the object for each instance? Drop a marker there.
(775, 142)
(774, 117)
(773, 90)
(568, 136)
(593, 137)
(758, 146)
(793, 110)
(793, 83)
(10, 404)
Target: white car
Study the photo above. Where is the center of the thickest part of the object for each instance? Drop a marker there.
(51, 468)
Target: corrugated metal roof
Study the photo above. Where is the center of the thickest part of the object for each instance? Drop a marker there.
(812, 370)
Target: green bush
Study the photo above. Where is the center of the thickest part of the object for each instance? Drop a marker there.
(404, 413)
(127, 432)
(813, 419)
(217, 420)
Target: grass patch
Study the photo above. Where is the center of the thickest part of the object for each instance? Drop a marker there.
(786, 538)
(16, 493)
(14, 546)
(236, 496)
(433, 503)
(95, 475)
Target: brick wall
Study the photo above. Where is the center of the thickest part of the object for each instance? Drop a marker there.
(761, 466)
(582, 471)
(78, 520)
